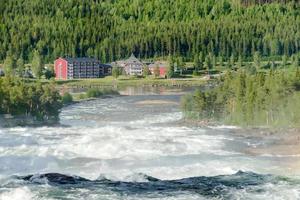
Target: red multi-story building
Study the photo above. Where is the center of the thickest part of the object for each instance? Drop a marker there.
(80, 68)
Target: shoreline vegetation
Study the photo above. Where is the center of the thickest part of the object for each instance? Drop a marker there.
(130, 81)
(26, 102)
(269, 99)
(90, 94)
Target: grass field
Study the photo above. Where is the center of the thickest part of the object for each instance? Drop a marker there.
(130, 81)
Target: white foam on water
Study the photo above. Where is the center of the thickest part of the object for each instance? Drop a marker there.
(162, 118)
(23, 193)
(151, 144)
(281, 191)
(222, 127)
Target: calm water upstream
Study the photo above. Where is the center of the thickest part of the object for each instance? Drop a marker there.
(136, 147)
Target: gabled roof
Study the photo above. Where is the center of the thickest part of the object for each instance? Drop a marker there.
(133, 59)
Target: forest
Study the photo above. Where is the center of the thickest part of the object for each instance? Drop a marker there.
(245, 99)
(110, 29)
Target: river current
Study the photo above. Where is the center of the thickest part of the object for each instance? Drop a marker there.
(137, 147)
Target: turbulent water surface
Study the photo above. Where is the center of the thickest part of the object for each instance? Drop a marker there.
(137, 147)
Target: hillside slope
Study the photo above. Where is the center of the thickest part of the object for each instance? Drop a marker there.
(113, 29)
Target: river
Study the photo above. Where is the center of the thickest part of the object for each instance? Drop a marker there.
(136, 146)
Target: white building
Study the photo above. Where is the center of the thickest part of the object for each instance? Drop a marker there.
(132, 66)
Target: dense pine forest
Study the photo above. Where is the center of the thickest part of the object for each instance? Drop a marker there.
(111, 29)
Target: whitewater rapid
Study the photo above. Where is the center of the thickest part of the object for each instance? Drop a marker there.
(124, 142)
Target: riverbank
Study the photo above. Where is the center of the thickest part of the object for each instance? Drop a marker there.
(273, 142)
(281, 142)
(7, 121)
(125, 81)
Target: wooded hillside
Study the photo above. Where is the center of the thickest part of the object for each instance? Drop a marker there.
(113, 29)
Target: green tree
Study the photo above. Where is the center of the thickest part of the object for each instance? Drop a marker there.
(232, 61)
(67, 98)
(115, 72)
(49, 72)
(20, 67)
(214, 61)
(257, 60)
(9, 65)
(240, 62)
(37, 64)
(180, 64)
(171, 69)
(208, 63)
(221, 62)
(197, 64)
(296, 61)
(146, 71)
(284, 61)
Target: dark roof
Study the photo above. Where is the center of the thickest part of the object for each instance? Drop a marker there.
(106, 65)
(83, 59)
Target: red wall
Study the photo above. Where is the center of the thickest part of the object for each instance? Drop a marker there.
(61, 69)
(162, 71)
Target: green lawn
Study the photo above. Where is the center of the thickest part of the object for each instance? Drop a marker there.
(130, 81)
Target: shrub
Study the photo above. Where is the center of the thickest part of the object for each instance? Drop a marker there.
(67, 98)
(93, 92)
(195, 73)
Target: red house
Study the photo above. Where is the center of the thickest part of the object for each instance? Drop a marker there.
(162, 68)
(80, 68)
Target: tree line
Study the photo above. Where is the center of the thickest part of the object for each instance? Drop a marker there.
(110, 30)
(20, 98)
(241, 98)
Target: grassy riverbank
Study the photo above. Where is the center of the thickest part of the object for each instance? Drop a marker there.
(129, 81)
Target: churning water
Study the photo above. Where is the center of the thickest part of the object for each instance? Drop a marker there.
(136, 147)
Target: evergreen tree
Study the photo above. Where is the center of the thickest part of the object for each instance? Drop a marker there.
(257, 60)
(232, 61)
(171, 69)
(197, 64)
(208, 63)
(214, 62)
(284, 61)
(296, 61)
(221, 62)
(9, 65)
(37, 64)
(180, 64)
(201, 60)
(240, 62)
(20, 67)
